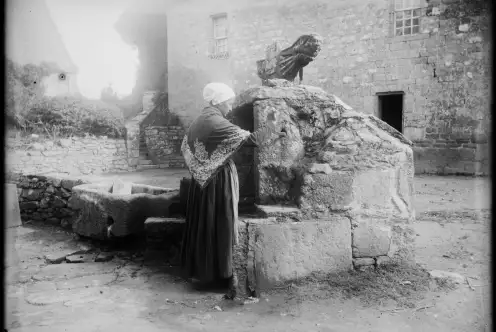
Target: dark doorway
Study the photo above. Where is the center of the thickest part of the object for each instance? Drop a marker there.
(391, 109)
(245, 160)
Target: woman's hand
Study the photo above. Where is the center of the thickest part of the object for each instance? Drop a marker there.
(272, 127)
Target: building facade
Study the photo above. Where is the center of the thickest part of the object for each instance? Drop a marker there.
(422, 66)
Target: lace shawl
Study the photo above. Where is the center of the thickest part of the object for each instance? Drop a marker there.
(209, 144)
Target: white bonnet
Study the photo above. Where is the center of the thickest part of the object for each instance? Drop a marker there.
(217, 93)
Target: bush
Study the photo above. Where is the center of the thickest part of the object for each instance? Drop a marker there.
(23, 90)
(28, 109)
(73, 116)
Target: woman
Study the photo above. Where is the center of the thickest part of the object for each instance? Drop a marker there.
(212, 208)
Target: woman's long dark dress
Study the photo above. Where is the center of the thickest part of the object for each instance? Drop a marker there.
(207, 246)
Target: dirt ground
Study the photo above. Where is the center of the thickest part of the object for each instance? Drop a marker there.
(141, 294)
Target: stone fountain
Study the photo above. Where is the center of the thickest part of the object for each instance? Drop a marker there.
(335, 194)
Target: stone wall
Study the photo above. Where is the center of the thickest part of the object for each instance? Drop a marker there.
(444, 71)
(164, 145)
(73, 156)
(46, 198)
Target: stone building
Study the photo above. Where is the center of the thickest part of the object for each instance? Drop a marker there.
(32, 38)
(422, 66)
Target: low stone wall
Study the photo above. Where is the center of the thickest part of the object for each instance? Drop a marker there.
(46, 198)
(164, 145)
(72, 156)
(452, 157)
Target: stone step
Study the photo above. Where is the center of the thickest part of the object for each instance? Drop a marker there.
(144, 167)
(162, 233)
(280, 212)
(145, 162)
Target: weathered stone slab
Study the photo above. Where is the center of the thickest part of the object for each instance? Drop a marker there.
(122, 188)
(382, 260)
(283, 252)
(371, 239)
(328, 191)
(12, 217)
(161, 226)
(363, 263)
(80, 258)
(279, 212)
(60, 256)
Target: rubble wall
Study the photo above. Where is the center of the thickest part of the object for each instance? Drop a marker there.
(46, 199)
(164, 145)
(71, 156)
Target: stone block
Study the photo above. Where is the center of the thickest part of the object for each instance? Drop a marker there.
(80, 258)
(58, 202)
(414, 133)
(372, 188)
(29, 205)
(334, 190)
(371, 240)
(320, 168)
(12, 217)
(382, 260)
(70, 183)
(32, 194)
(59, 256)
(282, 252)
(164, 227)
(279, 212)
(402, 247)
(361, 263)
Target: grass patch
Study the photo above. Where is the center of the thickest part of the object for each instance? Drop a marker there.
(405, 286)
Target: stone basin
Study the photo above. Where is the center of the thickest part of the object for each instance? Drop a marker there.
(100, 208)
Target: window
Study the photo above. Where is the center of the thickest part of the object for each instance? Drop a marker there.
(407, 17)
(220, 46)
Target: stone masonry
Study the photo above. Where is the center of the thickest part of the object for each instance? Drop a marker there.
(339, 176)
(72, 156)
(164, 145)
(444, 71)
(46, 198)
